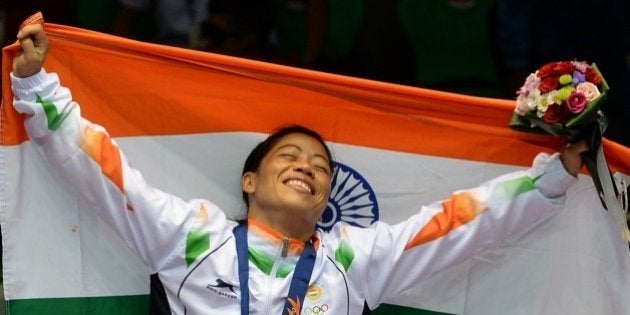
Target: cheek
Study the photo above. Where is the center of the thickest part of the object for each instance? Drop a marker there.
(326, 187)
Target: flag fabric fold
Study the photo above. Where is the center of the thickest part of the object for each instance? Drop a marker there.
(187, 119)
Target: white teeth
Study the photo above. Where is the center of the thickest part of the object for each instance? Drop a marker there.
(300, 185)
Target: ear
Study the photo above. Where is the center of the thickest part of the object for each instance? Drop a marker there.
(248, 182)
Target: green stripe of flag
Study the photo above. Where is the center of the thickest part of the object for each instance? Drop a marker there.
(136, 304)
(119, 305)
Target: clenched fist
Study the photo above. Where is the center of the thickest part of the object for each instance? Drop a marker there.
(30, 59)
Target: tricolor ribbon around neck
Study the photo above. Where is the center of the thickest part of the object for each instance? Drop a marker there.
(301, 274)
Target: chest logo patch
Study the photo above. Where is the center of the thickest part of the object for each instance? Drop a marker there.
(314, 293)
(223, 288)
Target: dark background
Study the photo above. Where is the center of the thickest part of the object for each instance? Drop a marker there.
(476, 47)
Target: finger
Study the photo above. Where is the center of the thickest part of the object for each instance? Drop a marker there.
(30, 30)
(34, 40)
(28, 47)
(36, 33)
(39, 38)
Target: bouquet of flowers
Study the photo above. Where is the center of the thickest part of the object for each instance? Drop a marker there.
(560, 98)
(563, 99)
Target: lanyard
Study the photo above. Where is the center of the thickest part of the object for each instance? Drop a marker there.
(301, 274)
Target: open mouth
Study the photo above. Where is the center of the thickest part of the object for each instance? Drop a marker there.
(299, 185)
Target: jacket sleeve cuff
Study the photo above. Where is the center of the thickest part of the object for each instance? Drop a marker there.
(554, 180)
(23, 88)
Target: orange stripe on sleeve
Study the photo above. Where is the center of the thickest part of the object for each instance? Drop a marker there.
(102, 150)
(460, 209)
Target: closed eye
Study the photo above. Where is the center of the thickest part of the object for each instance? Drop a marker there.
(323, 169)
(288, 156)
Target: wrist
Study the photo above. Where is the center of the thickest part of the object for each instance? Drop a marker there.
(570, 165)
(25, 73)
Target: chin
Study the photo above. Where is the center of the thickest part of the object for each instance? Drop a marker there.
(300, 207)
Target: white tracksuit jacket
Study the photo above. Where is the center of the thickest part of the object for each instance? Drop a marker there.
(191, 247)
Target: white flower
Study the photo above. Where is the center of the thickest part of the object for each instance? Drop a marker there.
(589, 90)
(542, 106)
(533, 98)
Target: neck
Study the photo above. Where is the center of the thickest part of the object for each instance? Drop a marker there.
(289, 227)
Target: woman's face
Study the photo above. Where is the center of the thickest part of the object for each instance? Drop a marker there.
(293, 177)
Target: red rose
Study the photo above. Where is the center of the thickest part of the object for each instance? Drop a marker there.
(556, 114)
(546, 70)
(547, 84)
(565, 67)
(592, 76)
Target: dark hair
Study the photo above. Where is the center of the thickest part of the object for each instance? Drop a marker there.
(260, 151)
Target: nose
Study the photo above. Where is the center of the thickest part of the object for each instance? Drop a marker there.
(304, 168)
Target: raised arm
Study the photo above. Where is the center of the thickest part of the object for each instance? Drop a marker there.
(454, 230)
(157, 225)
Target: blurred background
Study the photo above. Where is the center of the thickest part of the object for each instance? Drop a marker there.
(475, 47)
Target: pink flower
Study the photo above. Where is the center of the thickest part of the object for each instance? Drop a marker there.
(589, 90)
(581, 66)
(576, 102)
(521, 105)
(531, 82)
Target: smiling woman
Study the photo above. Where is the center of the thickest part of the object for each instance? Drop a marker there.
(256, 155)
(286, 181)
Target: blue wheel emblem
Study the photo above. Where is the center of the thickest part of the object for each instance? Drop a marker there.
(351, 200)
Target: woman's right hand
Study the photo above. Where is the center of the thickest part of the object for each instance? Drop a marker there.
(30, 59)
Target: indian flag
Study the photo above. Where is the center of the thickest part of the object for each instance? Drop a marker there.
(187, 119)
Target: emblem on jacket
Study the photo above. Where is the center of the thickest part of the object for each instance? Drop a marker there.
(223, 288)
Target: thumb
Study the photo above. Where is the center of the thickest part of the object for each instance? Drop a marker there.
(578, 147)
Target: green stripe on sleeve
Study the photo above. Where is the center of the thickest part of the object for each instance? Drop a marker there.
(197, 242)
(52, 116)
(517, 186)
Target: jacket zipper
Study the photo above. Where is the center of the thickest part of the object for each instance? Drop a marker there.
(284, 251)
